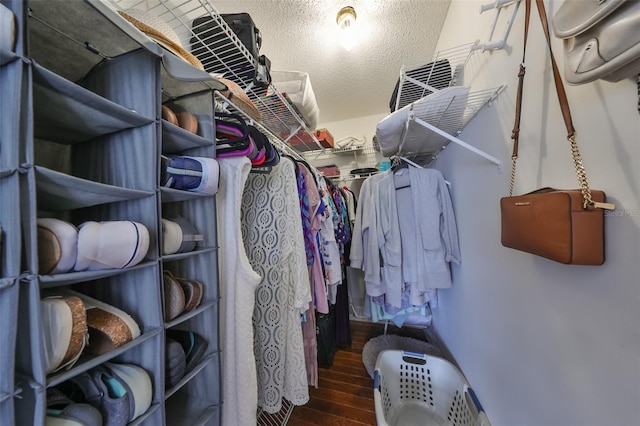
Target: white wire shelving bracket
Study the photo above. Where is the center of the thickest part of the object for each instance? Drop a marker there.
(428, 129)
(498, 44)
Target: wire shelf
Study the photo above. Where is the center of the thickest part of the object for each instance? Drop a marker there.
(351, 150)
(277, 419)
(421, 141)
(223, 54)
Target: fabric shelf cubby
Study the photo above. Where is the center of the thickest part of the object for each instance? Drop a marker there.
(14, 75)
(202, 382)
(85, 144)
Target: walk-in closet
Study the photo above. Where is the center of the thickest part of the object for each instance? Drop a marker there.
(280, 212)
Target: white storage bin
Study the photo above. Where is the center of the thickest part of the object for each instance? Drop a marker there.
(297, 86)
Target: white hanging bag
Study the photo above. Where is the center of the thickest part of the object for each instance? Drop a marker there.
(601, 39)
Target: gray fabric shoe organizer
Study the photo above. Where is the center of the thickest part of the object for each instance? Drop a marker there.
(81, 141)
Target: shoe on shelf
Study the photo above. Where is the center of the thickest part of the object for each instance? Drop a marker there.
(193, 345)
(98, 388)
(169, 115)
(194, 174)
(137, 383)
(174, 297)
(111, 244)
(57, 246)
(65, 331)
(187, 121)
(193, 292)
(181, 295)
(62, 411)
(175, 363)
(122, 392)
(179, 236)
(109, 327)
(181, 118)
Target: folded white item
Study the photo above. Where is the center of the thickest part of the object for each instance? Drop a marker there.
(57, 246)
(449, 102)
(297, 86)
(138, 382)
(111, 244)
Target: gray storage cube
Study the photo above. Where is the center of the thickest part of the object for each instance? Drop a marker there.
(91, 150)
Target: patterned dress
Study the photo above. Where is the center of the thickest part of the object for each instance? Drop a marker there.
(272, 234)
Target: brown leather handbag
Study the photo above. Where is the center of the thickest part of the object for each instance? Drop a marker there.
(566, 226)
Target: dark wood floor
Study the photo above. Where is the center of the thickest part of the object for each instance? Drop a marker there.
(345, 390)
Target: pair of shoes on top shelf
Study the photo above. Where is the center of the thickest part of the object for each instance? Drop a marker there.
(183, 351)
(110, 394)
(183, 119)
(92, 246)
(180, 295)
(74, 323)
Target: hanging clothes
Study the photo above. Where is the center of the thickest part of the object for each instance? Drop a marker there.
(350, 200)
(272, 234)
(405, 237)
(316, 213)
(328, 244)
(238, 283)
(309, 203)
(365, 252)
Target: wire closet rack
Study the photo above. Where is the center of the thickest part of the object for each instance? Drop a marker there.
(431, 126)
(223, 54)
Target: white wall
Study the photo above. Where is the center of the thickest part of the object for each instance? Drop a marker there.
(543, 343)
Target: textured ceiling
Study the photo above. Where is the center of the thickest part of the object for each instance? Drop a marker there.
(301, 35)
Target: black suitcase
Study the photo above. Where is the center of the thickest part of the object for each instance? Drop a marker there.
(246, 30)
(248, 34)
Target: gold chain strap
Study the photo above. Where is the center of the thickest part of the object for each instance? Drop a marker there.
(514, 159)
(581, 173)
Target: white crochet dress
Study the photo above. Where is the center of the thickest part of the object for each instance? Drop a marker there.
(272, 233)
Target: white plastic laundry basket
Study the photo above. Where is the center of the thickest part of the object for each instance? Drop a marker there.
(417, 389)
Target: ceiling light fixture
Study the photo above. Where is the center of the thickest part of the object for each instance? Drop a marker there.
(346, 20)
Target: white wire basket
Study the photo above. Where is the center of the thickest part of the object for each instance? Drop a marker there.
(412, 389)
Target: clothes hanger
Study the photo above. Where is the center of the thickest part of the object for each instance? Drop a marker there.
(405, 162)
(398, 163)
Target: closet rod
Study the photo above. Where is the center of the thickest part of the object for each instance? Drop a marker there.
(454, 139)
